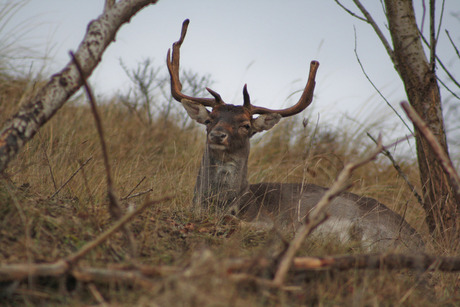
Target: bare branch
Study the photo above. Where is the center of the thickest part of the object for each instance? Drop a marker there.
(453, 45)
(423, 16)
(97, 119)
(133, 189)
(115, 209)
(350, 11)
(375, 87)
(318, 214)
(377, 30)
(137, 194)
(443, 67)
(440, 20)
(379, 261)
(143, 275)
(447, 88)
(35, 113)
(110, 275)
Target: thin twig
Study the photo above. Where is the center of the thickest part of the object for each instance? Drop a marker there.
(377, 30)
(403, 175)
(138, 194)
(440, 19)
(447, 88)
(350, 11)
(442, 156)
(318, 213)
(423, 15)
(133, 189)
(375, 87)
(71, 177)
(441, 64)
(453, 44)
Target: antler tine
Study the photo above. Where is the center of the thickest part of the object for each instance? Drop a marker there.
(302, 104)
(247, 99)
(173, 68)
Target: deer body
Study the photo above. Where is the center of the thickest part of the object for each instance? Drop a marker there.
(222, 179)
(222, 185)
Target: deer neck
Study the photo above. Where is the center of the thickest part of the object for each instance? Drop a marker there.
(222, 178)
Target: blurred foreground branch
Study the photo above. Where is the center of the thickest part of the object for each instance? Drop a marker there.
(61, 86)
(236, 269)
(444, 159)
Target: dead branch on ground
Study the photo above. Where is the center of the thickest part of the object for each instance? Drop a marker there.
(235, 269)
(420, 262)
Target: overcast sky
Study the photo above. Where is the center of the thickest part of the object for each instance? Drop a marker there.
(266, 44)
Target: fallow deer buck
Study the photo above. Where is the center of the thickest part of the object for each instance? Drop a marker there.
(222, 179)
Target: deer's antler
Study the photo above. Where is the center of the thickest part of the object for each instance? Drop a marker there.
(173, 67)
(304, 101)
(176, 86)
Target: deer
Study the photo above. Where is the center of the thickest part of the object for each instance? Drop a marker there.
(222, 183)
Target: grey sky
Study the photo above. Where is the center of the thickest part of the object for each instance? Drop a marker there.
(266, 44)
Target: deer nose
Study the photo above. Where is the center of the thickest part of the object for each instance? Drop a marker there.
(218, 136)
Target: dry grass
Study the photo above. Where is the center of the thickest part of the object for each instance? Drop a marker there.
(34, 228)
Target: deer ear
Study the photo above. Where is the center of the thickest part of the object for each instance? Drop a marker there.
(196, 111)
(265, 121)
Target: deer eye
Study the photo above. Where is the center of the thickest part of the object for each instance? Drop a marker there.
(207, 122)
(246, 126)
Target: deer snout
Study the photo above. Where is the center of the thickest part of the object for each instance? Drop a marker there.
(218, 136)
(218, 139)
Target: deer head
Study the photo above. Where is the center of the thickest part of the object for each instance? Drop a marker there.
(229, 127)
(223, 169)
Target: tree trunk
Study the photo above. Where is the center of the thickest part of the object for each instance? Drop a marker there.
(101, 32)
(422, 89)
